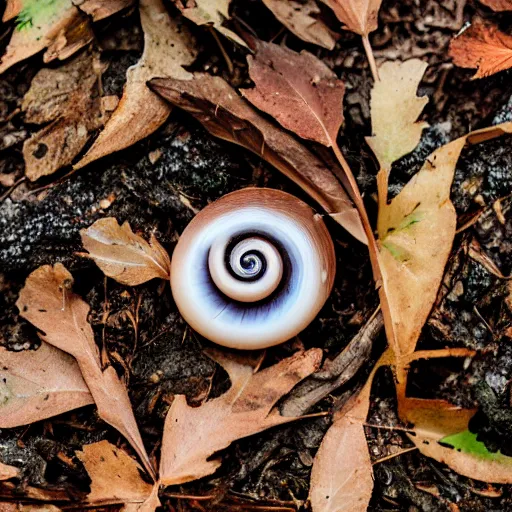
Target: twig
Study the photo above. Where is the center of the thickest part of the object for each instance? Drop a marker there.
(393, 455)
(371, 58)
(222, 50)
(6, 194)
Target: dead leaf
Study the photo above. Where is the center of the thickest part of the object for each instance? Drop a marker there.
(11, 506)
(359, 16)
(300, 18)
(115, 476)
(167, 47)
(67, 97)
(498, 5)
(482, 46)
(38, 384)
(58, 26)
(48, 303)
(123, 255)
(209, 12)
(193, 434)
(227, 116)
(101, 9)
(7, 472)
(298, 90)
(12, 9)
(395, 109)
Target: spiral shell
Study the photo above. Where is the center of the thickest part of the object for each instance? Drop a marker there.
(253, 269)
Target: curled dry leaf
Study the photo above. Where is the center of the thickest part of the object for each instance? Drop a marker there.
(498, 5)
(123, 255)
(209, 12)
(359, 16)
(395, 109)
(193, 434)
(101, 9)
(116, 478)
(7, 472)
(58, 26)
(482, 46)
(167, 47)
(227, 116)
(48, 303)
(38, 384)
(64, 97)
(300, 18)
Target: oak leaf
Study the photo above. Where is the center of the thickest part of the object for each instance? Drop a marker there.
(359, 16)
(66, 97)
(227, 116)
(301, 19)
(38, 384)
(498, 5)
(395, 109)
(123, 255)
(193, 434)
(48, 303)
(58, 26)
(167, 47)
(482, 46)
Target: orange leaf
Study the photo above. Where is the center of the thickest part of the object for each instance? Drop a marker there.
(359, 16)
(482, 46)
(498, 5)
(7, 472)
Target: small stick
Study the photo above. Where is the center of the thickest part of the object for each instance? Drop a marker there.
(371, 58)
(222, 50)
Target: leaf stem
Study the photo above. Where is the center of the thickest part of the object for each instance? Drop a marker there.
(371, 58)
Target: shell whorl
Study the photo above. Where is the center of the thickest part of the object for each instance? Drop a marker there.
(253, 269)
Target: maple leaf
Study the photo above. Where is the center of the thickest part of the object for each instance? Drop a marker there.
(123, 255)
(498, 5)
(193, 434)
(482, 46)
(359, 16)
(395, 109)
(48, 303)
(300, 18)
(168, 46)
(210, 12)
(227, 116)
(64, 96)
(38, 384)
(56, 25)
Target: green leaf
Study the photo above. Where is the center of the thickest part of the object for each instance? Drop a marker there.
(467, 442)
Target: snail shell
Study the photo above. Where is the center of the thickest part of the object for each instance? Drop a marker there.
(253, 269)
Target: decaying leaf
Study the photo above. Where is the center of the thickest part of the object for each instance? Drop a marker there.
(227, 116)
(300, 18)
(395, 109)
(123, 255)
(65, 97)
(498, 5)
(167, 47)
(12, 9)
(48, 303)
(101, 9)
(359, 16)
(116, 478)
(56, 25)
(482, 46)
(193, 434)
(209, 12)
(7, 472)
(38, 384)
(298, 90)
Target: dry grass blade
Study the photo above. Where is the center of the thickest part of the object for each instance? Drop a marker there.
(359, 16)
(48, 303)
(167, 47)
(38, 384)
(123, 255)
(482, 46)
(227, 116)
(301, 19)
(193, 435)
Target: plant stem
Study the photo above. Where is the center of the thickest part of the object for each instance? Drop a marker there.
(371, 59)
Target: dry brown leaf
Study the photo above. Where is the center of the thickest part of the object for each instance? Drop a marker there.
(64, 96)
(58, 26)
(227, 116)
(395, 109)
(498, 5)
(359, 16)
(115, 476)
(11, 506)
(209, 12)
(482, 46)
(38, 384)
(193, 434)
(48, 303)
(300, 18)
(12, 9)
(101, 9)
(7, 472)
(167, 47)
(123, 255)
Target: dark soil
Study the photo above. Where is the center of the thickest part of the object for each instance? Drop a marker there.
(40, 223)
